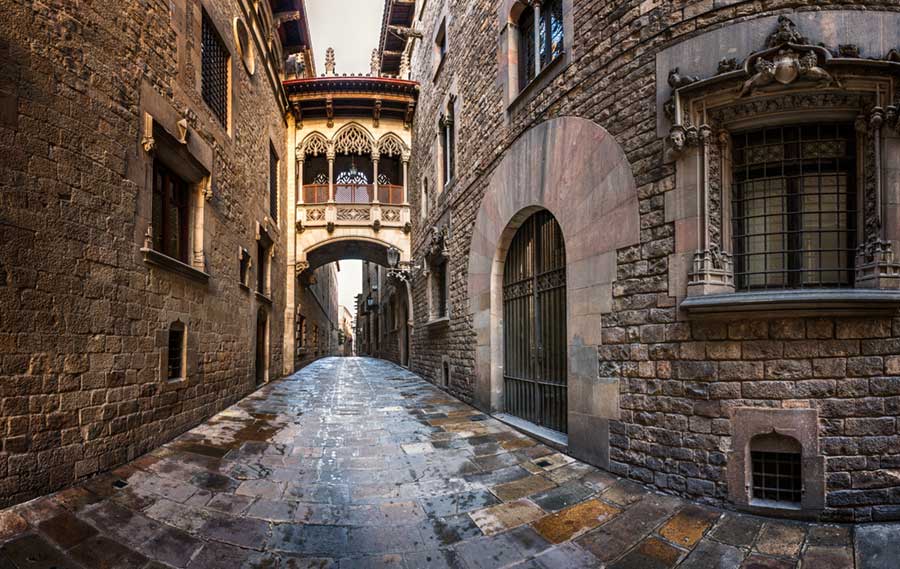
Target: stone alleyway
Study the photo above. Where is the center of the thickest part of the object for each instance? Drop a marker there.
(357, 463)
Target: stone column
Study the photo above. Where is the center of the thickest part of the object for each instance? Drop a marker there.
(290, 339)
(330, 156)
(376, 156)
(405, 159)
(298, 180)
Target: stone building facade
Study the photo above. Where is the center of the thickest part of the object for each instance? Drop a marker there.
(383, 315)
(142, 224)
(718, 180)
(317, 316)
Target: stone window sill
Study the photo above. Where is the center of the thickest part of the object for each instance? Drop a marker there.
(263, 298)
(157, 259)
(823, 302)
(438, 322)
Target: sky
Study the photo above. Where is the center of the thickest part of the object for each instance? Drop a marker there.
(352, 28)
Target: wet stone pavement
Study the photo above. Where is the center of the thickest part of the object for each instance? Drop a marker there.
(357, 463)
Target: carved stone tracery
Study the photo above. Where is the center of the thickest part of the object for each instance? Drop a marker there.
(353, 139)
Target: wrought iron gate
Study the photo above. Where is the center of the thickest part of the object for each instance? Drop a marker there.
(534, 324)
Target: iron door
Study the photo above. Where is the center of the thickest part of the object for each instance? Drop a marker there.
(534, 324)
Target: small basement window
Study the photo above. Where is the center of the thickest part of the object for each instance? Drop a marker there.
(176, 351)
(777, 471)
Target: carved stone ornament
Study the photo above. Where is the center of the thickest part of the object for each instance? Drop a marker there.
(329, 62)
(300, 267)
(375, 64)
(437, 245)
(182, 131)
(147, 141)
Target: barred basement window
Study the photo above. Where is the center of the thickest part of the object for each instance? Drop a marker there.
(214, 71)
(794, 207)
(273, 183)
(776, 469)
(171, 213)
(176, 351)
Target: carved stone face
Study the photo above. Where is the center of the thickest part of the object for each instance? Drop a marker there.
(787, 67)
(677, 138)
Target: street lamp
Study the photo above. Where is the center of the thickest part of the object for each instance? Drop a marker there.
(393, 257)
(394, 270)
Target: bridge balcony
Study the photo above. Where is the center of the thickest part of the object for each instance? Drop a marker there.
(354, 205)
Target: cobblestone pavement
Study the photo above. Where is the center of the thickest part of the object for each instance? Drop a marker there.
(357, 463)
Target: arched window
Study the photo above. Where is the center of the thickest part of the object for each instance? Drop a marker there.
(539, 36)
(776, 469)
(794, 206)
(526, 47)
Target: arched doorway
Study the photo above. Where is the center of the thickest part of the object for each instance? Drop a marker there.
(262, 360)
(534, 324)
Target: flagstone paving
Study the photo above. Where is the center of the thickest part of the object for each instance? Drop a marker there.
(357, 463)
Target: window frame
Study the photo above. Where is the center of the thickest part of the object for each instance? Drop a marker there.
(179, 328)
(162, 234)
(209, 29)
(792, 209)
(274, 169)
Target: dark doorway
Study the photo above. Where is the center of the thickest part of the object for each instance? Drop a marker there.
(262, 362)
(534, 324)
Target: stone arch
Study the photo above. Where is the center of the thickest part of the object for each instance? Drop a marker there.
(353, 246)
(314, 144)
(577, 171)
(391, 145)
(353, 138)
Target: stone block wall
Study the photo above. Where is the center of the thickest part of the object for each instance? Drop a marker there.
(80, 310)
(317, 304)
(679, 379)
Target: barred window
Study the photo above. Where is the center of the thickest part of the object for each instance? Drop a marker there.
(776, 468)
(176, 351)
(170, 222)
(794, 207)
(273, 183)
(214, 71)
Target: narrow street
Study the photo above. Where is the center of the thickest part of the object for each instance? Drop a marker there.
(357, 463)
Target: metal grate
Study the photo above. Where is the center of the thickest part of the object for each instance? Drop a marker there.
(534, 324)
(214, 71)
(794, 207)
(777, 476)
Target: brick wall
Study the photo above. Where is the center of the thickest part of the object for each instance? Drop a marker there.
(80, 310)
(679, 379)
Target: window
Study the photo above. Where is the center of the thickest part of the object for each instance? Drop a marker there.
(526, 47)
(551, 31)
(171, 213)
(262, 273)
(544, 38)
(439, 289)
(245, 267)
(776, 469)
(273, 183)
(440, 41)
(448, 142)
(793, 207)
(214, 71)
(423, 205)
(176, 354)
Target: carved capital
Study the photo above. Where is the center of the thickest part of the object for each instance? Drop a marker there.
(712, 273)
(876, 266)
